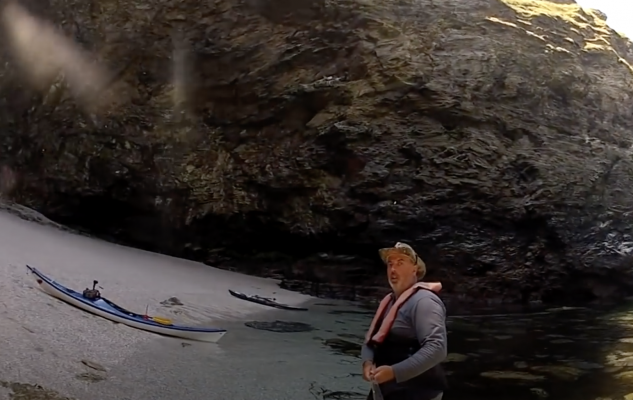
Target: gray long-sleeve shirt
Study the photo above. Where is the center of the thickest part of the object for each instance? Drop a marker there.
(421, 317)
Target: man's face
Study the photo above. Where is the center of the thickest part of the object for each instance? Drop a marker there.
(401, 271)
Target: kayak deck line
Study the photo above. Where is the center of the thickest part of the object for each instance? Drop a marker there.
(109, 310)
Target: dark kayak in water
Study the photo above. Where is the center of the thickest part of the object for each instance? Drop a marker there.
(265, 301)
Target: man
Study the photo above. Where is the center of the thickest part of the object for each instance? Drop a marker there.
(407, 339)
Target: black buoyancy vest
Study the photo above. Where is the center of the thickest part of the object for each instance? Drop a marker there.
(395, 349)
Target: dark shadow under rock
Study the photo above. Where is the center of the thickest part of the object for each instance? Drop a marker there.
(280, 326)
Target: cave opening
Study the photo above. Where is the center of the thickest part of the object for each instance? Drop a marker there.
(103, 216)
(253, 233)
(562, 296)
(254, 242)
(243, 236)
(537, 226)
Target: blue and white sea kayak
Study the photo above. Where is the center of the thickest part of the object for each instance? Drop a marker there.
(108, 310)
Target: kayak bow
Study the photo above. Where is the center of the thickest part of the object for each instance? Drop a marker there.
(115, 313)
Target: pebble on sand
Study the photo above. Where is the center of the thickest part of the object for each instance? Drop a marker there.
(172, 301)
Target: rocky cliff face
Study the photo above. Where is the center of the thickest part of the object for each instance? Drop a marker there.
(495, 136)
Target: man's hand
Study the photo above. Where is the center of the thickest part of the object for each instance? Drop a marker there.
(383, 374)
(368, 370)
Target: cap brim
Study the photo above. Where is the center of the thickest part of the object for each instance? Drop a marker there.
(384, 253)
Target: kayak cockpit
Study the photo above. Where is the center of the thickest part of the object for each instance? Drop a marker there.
(92, 294)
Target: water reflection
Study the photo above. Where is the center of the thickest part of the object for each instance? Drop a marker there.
(563, 353)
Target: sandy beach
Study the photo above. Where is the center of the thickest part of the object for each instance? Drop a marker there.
(74, 354)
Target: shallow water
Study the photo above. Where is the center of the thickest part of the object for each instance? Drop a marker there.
(564, 354)
(561, 353)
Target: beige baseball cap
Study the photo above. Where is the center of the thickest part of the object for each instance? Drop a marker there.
(408, 251)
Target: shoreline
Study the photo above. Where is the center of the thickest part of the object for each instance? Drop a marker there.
(365, 296)
(55, 345)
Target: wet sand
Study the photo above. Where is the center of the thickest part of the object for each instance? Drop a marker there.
(44, 341)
